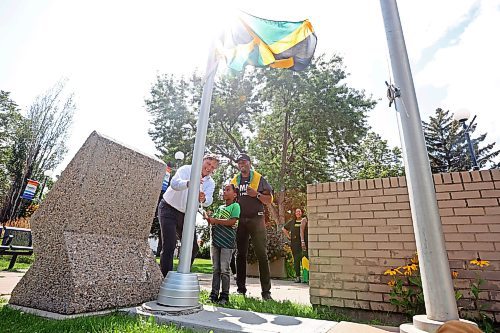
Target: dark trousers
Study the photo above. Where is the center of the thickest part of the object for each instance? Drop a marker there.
(298, 254)
(171, 225)
(233, 263)
(255, 229)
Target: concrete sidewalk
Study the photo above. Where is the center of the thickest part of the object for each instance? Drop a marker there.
(223, 320)
(281, 289)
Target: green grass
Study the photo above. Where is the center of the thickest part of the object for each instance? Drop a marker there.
(22, 262)
(286, 308)
(14, 321)
(199, 265)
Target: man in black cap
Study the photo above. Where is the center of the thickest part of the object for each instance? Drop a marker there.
(254, 193)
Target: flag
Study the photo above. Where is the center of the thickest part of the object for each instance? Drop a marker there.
(30, 190)
(166, 179)
(260, 43)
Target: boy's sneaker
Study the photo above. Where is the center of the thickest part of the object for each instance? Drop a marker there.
(223, 299)
(297, 280)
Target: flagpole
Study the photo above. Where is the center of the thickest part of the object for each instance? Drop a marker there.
(182, 288)
(440, 303)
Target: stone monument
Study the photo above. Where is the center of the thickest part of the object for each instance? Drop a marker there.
(90, 233)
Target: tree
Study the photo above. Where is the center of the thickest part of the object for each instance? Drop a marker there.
(8, 112)
(40, 143)
(172, 107)
(447, 146)
(372, 159)
(297, 125)
(313, 120)
(174, 104)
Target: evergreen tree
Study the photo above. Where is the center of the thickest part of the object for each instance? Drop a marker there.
(447, 145)
(372, 159)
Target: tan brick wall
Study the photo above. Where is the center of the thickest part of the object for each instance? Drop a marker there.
(358, 229)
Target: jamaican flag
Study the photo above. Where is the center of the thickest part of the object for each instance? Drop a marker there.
(260, 42)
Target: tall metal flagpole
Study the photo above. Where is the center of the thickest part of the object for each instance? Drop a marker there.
(182, 288)
(440, 304)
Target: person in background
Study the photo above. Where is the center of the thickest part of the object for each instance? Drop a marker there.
(254, 193)
(296, 231)
(223, 226)
(172, 208)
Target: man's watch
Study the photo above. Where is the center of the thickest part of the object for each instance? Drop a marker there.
(258, 195)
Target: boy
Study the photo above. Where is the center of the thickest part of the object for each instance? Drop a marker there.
(223, 222)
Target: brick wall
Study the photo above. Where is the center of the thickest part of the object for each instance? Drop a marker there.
(358, 229)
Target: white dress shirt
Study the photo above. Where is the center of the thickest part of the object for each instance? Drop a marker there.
(177, 192)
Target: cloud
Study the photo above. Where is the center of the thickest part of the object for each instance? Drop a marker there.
(467, 70)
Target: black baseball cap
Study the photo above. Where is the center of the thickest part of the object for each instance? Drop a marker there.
(243, 157)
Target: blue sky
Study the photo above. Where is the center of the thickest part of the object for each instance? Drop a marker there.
(111, 52)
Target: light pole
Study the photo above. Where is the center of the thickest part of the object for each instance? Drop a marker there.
(461, 116)
(179, 157)
(47, 174)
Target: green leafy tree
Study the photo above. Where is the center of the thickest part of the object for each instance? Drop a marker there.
(447, 146)
(172, 106)
(372, 159)
(9, 115)
(312, 121)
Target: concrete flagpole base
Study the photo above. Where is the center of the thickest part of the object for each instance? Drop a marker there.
(179, 290)
(422, 324)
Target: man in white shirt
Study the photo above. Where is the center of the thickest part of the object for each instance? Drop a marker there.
(173, 207)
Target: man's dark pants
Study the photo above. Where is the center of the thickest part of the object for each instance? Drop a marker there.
(171, 225)
(254, 228)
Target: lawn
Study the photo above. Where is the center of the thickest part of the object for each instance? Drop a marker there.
(285, 308)
(15, 321)
(23, 262)
(199, 265)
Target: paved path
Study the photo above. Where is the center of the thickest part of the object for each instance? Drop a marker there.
(281, 289)
(8, 281)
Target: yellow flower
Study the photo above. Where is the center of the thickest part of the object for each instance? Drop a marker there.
(391, 283)
(392, 271)
(408, 269)
(454, 274)
(479, 262)
(414, 260)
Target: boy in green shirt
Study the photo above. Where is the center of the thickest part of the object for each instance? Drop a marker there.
(224, 223)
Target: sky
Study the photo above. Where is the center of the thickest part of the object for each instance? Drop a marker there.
(112, 51)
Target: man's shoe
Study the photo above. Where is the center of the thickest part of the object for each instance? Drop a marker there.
(267, 297)
(213, 298)
(223, 300)
(242, 292)
(297, 280)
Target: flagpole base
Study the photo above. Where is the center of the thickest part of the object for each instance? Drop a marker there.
(422, 324)
(179, 290)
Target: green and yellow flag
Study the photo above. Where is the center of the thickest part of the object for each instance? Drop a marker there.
(260, 42)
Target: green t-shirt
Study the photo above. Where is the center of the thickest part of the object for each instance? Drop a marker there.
(225, 236)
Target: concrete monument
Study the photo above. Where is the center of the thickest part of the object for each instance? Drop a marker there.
(90, 234)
